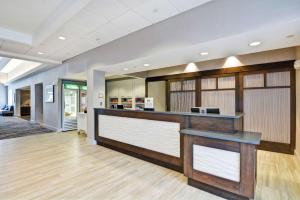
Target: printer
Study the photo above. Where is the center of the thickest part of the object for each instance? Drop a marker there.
(205, 110)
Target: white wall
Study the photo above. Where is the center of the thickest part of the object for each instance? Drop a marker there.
(51, 111)
(3, 94)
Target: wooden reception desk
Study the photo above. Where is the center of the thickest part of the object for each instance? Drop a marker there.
(184, 142)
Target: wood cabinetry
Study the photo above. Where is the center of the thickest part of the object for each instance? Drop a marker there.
(125, 89)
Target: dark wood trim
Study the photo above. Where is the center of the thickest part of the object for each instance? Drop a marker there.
(218, 89)
(287, 65)
(276, 147)
(215, 191)
(164, 160)
(167, 95)
(293, 110)
(270, 87)
(217, 144)
(245, 187)
(198, 92)
(146, 88)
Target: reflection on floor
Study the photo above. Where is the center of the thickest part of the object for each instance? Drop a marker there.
(26, 117)
(63, 166)
(11, 127)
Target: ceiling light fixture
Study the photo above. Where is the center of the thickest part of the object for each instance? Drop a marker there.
(40, 53)
(191, 67)
(290, 36)
(255, 43)
(125, 69)
(62, 38)
(146, 65)
(204, 53)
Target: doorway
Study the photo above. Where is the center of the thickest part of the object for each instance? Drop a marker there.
(74, 101)
(39, 106)
(23, 103)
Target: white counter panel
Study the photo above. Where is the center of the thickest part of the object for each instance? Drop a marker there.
(154, 135)
(218, 162)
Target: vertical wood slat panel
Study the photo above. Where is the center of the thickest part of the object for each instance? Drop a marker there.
(218, 162)
(268, 111)
(225, 100)
(254, 80)
(208, 83)
(226, 82)
(175, 86)
(278, 79)
(182, 101)
(188, 85)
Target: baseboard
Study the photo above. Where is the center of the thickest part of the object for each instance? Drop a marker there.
(91, 141)
(50, 127)
(297, 155)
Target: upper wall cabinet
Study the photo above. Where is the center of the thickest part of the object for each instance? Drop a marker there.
(139, 87)
(112, 89)
(125, 88)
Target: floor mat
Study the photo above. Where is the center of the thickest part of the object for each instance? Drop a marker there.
(12, 127)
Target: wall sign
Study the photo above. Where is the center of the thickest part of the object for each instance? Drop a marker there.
(149, 102)
(49, 93)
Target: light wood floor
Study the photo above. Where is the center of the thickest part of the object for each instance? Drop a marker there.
(63, 166)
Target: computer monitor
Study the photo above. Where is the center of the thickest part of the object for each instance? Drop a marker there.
(120, 106)
(148, 109)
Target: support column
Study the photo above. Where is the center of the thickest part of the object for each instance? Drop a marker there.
(95, 99)
(32, 103)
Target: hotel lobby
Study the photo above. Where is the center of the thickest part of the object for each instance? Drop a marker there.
(150, 99)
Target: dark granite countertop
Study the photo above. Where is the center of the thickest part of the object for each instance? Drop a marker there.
(240, 136)
(234, 116)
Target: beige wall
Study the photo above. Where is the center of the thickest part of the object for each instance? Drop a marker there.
(157, 90)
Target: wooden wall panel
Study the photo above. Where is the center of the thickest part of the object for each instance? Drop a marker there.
(226, 82)
(268, 111)
(223, 99)
(208, 83)
(142, 133)
(278, 79)
(253, 80)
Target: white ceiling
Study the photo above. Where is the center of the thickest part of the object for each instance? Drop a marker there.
(221, 27)
(32, 26)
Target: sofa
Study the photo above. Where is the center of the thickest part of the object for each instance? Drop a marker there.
(7, 110)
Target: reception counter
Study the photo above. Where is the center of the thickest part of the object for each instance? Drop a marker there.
(169, 139)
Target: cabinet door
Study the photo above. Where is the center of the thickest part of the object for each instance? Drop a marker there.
(125, 88)
(139, 87)
(113, 89)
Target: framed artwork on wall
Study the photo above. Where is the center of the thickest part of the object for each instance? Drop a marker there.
(49, 93)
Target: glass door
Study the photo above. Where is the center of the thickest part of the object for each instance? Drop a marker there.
(71, 106)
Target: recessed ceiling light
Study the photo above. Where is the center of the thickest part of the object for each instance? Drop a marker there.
(125, 69)
(204, 53)
(146, 65)
(40, 53)
(290, 36)
(62, 38)
(254, 44)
